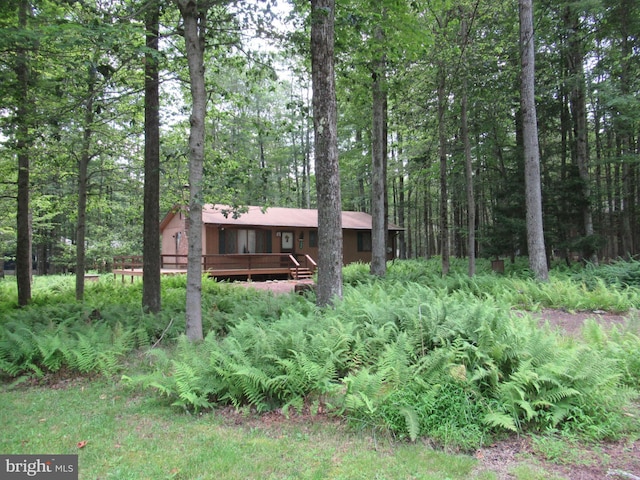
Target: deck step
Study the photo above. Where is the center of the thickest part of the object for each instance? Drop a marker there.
(301, 273)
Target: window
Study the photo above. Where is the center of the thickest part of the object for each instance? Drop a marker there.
(313, 238)
(244, 241)
(364, 241)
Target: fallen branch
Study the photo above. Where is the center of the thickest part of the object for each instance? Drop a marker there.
(165, 331)
(620, 473)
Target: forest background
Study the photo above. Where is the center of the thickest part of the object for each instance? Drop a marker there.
(72, 88)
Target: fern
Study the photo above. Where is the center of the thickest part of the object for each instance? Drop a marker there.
(254, 384)
(500, 420)
(412, 421)
(52, 351)
(362, 387)
(394, 362)
(188, 387)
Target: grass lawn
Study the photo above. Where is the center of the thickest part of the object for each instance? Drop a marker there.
(131, 436)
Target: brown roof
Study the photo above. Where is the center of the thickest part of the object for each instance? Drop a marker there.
(279, 217)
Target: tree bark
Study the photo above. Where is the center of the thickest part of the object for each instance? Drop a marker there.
(578, 102)
(533, 189)
(625, 128)
(379, 164)
(471, 202)
(151, 291)
(194, 20)
(442, 151)
(468, 162)
(401, 206)
(83, 180)
(326, 152)
(23, 144)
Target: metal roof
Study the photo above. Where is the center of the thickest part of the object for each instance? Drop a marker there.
(280, 217)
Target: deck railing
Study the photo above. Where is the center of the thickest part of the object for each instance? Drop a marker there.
(127, 262)
(227, 264)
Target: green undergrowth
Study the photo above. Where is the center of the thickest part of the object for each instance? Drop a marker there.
(574, 289)
(413, 361)
(56, 333)
(413, 355)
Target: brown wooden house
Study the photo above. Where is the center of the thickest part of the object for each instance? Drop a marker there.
(264, 240)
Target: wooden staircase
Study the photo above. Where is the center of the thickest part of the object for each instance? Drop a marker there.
(301, 273)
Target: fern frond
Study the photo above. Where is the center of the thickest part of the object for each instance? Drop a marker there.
(500, 420)
(254, 384)
(412, 421)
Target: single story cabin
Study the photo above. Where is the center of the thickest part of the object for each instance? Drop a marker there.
(280, 240)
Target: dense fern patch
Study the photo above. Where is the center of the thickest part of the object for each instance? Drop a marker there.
(412, 360)
(55, 332)
(414, 354)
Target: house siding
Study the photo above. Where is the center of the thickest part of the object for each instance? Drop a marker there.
(174, 239)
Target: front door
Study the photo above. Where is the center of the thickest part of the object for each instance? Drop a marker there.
(287, 242)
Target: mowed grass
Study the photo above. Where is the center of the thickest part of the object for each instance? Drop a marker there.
(133, 436)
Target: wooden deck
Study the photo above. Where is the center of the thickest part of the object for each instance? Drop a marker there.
(224, 266)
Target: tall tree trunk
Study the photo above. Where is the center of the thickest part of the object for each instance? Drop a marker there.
(442, 151)
(610, 182)
(151, 296)
(83, 180)
(264, 177)
(307, 158)
(401, 206)
(599, 200)
(23, 145)
(379, 163)
(468, 162)
(194, 16)
(408, 237)
(625, 128)
(471, 202)
(579, 113)
(533, 189)
(326, 152)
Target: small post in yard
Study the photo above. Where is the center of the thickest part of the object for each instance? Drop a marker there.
(497, 265)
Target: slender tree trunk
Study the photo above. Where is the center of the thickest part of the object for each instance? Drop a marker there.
(379, 164)
(307, 159)
(471, 202)
(401, 206)
(625, 129)
(627, 204)
(83, 181)
(151, 296)
(533, 189)
(611, 181)
(468, 161)
(442, 151)
(617, 226)
(599, 200)
(195, 17)
(23, 145)
(264, 187)
(326, 152)
(579, 113)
